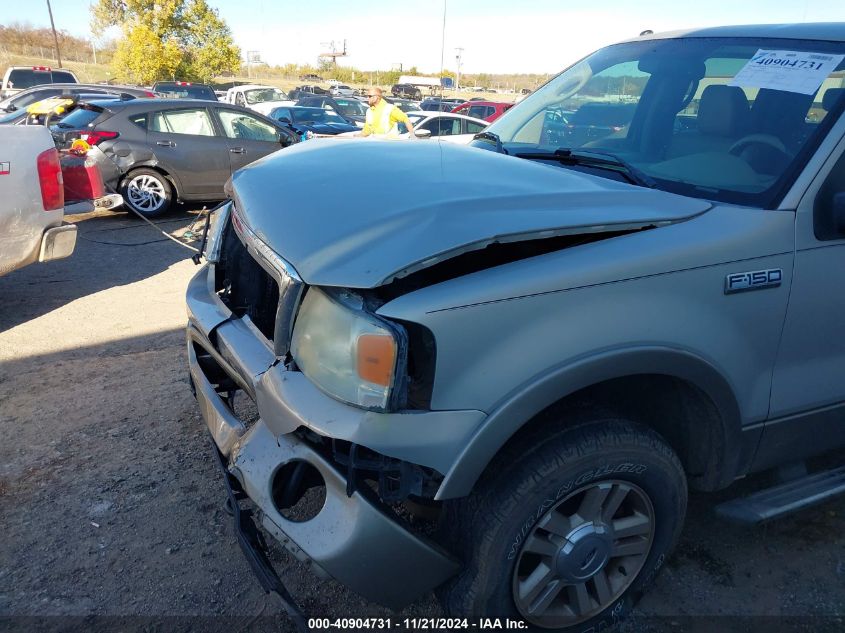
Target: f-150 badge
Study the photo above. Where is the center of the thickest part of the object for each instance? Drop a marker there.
(754, 280)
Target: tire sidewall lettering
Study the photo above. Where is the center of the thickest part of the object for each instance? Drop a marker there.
(570, 485)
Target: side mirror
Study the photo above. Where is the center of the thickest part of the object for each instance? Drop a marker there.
(422, 133)
(284, 120)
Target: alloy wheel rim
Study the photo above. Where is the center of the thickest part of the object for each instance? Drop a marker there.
(146, 193)
(583, 554)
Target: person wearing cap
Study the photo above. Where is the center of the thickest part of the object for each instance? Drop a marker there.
(383, 118)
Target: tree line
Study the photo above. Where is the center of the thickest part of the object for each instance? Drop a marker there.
(188, 40)
(24, 39)
(167, 39)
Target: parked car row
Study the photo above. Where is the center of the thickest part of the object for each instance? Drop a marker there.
(179, 140)
(25, 97)
(157, 151)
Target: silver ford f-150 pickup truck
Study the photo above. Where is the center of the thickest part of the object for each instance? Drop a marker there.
(536, 350)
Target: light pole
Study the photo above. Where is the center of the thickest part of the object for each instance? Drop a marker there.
(442, 48)
(55, 37)
(458, 61)
(251, 56)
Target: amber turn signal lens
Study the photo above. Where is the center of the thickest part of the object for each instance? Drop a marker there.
(376, 358)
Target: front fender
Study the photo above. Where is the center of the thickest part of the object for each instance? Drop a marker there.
(522, 404)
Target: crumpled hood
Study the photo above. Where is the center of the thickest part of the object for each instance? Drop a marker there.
(357, 213)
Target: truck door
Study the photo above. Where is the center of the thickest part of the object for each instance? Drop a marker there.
(807, 411)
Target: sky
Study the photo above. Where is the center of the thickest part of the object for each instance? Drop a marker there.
(497, 36)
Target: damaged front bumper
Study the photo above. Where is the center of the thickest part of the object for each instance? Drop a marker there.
(349, 533)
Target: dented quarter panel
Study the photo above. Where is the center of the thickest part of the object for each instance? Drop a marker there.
(23, 219)
(111, 167)
(459, 199)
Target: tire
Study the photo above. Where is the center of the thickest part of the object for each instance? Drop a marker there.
(147, 191)
(529, 555)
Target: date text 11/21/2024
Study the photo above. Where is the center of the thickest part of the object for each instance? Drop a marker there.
(416, 624)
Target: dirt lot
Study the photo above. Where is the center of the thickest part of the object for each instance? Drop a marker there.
(112, 506)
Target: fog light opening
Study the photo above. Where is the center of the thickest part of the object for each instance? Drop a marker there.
(299, 491)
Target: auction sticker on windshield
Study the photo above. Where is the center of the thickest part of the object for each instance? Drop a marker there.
(790, 71)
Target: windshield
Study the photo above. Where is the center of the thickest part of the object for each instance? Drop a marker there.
(185, 91)
(28, 77)
(264, 94)
(316, 115)
(80, 118)
(728, 119)
(407, 106)
(351, 107)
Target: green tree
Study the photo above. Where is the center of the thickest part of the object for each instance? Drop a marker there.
(164, 39)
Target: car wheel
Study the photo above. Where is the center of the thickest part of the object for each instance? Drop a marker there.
(147, 191)
(570, 531)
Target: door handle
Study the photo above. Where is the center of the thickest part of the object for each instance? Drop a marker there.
(166, 143)
(237, 150)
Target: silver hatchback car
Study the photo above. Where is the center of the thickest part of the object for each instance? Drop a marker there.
(532, 352)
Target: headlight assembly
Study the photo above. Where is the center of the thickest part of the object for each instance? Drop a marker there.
(216, 225)
(349, 353)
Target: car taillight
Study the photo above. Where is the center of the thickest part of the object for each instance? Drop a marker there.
(98, 136)
(149, 94)
(50, 179)
(43, 69)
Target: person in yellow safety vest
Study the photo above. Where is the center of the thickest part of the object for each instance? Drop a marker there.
(383, 118)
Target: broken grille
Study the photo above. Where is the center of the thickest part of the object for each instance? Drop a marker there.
(254, 281)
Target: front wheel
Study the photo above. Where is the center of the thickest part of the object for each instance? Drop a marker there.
(571, 531)
(147, 191)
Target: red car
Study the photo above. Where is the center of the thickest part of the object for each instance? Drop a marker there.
(487, 110)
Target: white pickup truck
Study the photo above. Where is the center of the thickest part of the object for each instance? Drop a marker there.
(262, 99)
(32, 194)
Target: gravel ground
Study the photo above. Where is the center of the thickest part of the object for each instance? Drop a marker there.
(113, 508)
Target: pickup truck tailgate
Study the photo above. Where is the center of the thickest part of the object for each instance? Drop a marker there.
(28, 231)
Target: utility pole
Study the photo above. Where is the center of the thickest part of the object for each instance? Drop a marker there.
(251, 57)
(442, 48)
(55, 37)
(458, 60)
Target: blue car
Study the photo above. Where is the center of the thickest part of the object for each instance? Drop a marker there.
(304, 120)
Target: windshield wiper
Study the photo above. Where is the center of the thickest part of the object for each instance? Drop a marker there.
(492, 136)
(593, 158)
